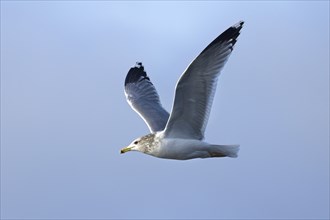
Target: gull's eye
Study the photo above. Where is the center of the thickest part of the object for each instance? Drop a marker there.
(136, 142)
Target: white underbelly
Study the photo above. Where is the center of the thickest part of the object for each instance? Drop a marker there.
(182, 149)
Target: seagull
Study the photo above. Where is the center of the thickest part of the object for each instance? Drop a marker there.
(180, 135)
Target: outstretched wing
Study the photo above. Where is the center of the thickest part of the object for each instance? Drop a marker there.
(142, 96)
(195, 89)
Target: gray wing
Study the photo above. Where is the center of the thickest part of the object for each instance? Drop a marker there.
(196, 87)
(142, 96)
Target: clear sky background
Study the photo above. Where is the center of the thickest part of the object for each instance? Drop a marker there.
(64, 116)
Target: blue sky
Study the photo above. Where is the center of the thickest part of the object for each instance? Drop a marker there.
(64, 116)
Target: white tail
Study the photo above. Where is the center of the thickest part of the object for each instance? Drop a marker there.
(224, 150)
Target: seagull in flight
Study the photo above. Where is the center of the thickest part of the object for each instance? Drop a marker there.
(180, 135)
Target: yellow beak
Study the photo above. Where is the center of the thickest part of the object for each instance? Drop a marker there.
(125, 149)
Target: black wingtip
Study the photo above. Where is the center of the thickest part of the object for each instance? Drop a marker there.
(239, 24)
(230, 34)
(136, 73)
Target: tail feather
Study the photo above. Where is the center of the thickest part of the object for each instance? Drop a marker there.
(224, 150)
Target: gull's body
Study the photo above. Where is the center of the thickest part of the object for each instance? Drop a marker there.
(158, 145)
(180, 135)
(181, 149)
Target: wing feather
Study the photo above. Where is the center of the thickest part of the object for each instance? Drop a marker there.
(142, 96)
(196, 87)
